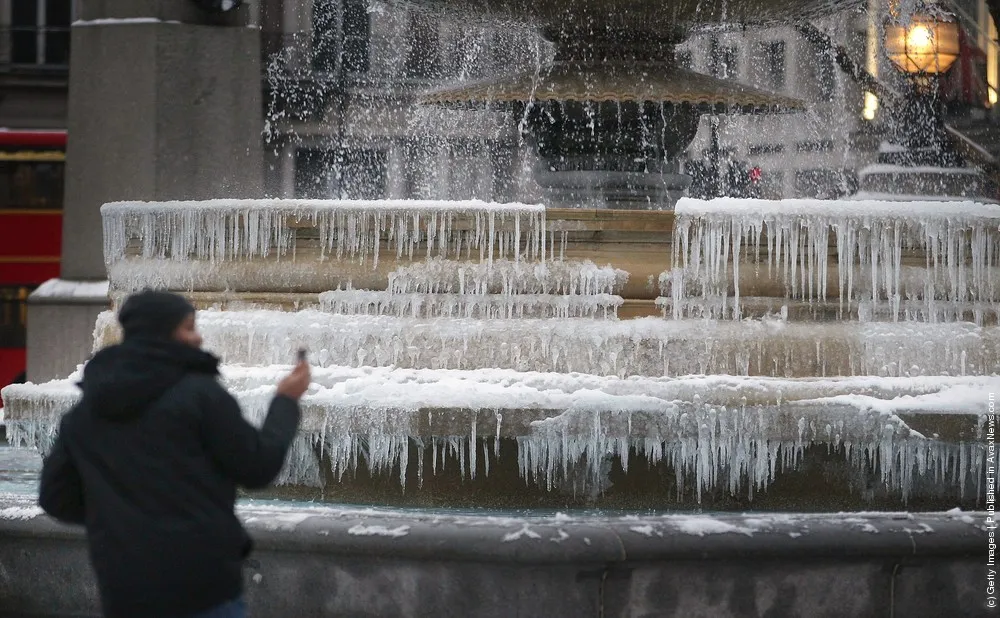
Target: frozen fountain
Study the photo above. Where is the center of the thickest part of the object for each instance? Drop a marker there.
(667, 379)
(796, 355)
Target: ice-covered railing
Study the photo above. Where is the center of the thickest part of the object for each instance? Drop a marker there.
(479, 306)
(507, 277)
(230, 229)
(648, 346)
(956, 243)
(714, 431)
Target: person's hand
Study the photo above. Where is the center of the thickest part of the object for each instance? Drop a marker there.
(294, 385)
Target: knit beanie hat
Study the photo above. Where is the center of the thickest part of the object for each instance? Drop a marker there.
(153, 315)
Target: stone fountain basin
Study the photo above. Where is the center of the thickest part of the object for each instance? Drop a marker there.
(426, 563)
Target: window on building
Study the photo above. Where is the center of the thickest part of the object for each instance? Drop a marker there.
(39, 32)
(324, 36)
(757, 150)
(771, 185)
(823, 183)
(13, 316)
(313, 172)
(423, 60)
(344, 174)
(422, 172)
(31, 184)
(340, 33)
(822, 66)
(723, 60)
(360, 174)
(357, 36)
(769, 58)
(502, 163)
(823, 145)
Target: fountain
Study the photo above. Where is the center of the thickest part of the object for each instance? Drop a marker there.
(610, 115)
(808, 356)
(730, 357)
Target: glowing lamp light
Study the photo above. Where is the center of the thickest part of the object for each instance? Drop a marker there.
(922, 45)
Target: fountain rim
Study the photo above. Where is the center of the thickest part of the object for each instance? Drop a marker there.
(588, 538)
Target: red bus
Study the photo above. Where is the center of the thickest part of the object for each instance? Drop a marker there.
(31, 197)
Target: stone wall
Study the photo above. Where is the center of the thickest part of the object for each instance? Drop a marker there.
(313, 562)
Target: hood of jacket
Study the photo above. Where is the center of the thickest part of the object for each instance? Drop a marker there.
(120, 382)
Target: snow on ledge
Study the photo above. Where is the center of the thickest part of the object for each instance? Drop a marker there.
(61, 288)
(363, 530)
(20, 512)
(295, 206)
(905, 197)
(924, 208)
(108, 21)
(885, 168)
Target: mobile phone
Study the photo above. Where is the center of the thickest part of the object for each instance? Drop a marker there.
(301, 356)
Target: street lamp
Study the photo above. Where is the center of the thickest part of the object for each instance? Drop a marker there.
(919, 157)
(923, 45)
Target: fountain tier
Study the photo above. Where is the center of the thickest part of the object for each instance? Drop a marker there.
(929, 260)
(737, 433)
(473, 354)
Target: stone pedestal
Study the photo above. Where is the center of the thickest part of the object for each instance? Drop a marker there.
(164, 103)
(60, 332)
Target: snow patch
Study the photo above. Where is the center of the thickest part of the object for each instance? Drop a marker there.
(701, 526)
(646, 530)
(61, 288)
(286, 521)
(960, 515)
(108, 21)
(363, 530)
(525, 531)
(20, 512)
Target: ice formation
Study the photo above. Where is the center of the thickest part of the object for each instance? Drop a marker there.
(503, 289)
(568, 277)
(480, 306)
(648, 346)
(957, 242)
(476, 329)
(713, 429)
(232, 229)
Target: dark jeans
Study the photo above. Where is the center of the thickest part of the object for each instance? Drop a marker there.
(231, 609)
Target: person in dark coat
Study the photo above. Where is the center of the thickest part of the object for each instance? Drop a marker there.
(149, 461)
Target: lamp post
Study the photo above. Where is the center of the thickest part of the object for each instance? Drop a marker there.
(922, 48)
(918, 156)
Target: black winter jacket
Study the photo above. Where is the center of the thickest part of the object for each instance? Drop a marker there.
(149, 461)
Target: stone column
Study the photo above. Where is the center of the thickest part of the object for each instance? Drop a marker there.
(164, 103)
